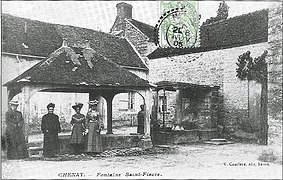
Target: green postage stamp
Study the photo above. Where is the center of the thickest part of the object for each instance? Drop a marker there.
(178, 25)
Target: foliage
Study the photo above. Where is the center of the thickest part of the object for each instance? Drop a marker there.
(252, 69)
(222, 13)
(245, 62)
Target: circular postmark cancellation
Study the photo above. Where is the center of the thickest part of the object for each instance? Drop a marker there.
(176, 28)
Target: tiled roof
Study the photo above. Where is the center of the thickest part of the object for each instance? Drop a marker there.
(44, 38)
(237, 31)
(79, 67)
(144, 28)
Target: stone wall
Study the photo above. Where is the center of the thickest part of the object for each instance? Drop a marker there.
(214, 68)
(138, 40)
(275, 76)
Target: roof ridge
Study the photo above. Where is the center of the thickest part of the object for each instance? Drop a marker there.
(26, 75)
(46, 37)
(234, 17)
(143, 23)
(50, 23)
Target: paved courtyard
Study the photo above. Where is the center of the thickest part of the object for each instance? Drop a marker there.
(186, 161)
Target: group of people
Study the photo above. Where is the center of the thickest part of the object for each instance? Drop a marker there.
(85, 135)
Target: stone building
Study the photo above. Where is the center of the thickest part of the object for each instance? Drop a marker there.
(139, 34)
(213, 64)
(26, 42)
(203, 78)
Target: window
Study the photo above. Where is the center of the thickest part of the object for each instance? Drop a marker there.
(131, 100)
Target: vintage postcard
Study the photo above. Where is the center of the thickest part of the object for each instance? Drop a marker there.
(141, 89)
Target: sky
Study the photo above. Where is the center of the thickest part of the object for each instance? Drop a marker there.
(100, 15)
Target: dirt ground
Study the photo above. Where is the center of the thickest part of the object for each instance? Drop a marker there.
(119, 130)
(188, 161)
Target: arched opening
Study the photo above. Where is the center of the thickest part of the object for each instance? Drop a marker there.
(63, 108)
(125, 110)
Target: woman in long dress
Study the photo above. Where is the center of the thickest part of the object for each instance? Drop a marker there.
(93, 126)
(50, 126)
(78, 122)
(16, 144)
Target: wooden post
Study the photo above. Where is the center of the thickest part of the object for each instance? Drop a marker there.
(263, 110)
(179, 105)
(155, 106)
(109, 99)
(26, 110)
(147, 113)
(163, 108)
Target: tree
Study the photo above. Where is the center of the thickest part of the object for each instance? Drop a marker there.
(222, 13)
(256, 69)
(245, 62)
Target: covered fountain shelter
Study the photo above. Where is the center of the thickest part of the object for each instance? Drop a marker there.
(80, 70)
(187, 112)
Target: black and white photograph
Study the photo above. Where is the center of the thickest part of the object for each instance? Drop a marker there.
(141, 89)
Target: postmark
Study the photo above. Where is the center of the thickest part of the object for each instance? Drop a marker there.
(178, 25)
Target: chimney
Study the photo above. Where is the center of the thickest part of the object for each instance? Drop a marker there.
(65, 42)
(124, 11)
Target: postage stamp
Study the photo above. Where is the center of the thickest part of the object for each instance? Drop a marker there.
(178, 25)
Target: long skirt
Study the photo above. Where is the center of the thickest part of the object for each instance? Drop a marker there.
(140, 126)
(94, 142)
(16, 144)
(50, 144)
(77, 134)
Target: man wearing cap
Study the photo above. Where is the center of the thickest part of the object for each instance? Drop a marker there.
(50, 126)
(16, 144)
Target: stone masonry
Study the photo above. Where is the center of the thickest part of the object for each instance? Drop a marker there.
(214, 68)
(275, 76)
(137, 38)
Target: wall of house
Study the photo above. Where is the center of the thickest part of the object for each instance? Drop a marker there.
(138, 40)
(12, 66)
(274, 60)
(215, 68)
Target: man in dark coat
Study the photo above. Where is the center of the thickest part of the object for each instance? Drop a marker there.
(50, 126)
(141, 114)
(16, 144)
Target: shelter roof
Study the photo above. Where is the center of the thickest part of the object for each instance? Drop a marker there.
(79, 67)
(172, 86)
(31, 37)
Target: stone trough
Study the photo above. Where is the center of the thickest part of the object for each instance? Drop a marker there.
(185, 136)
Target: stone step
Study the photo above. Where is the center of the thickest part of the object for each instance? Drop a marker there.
(218, 140)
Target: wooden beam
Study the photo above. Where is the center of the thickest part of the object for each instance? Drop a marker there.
(109, 98)
(178, 114)
(109, 115)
